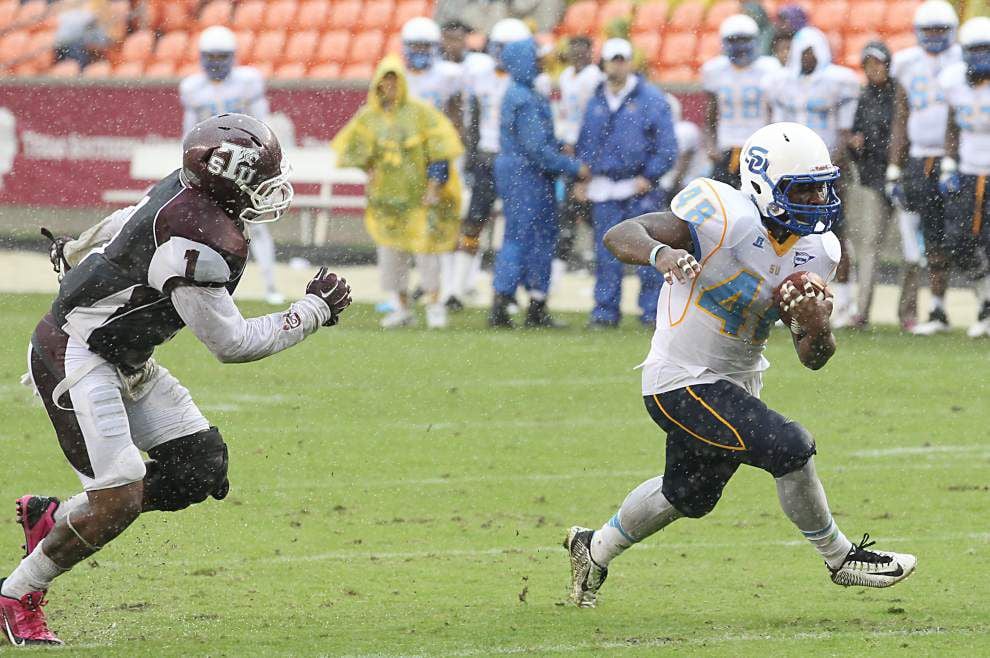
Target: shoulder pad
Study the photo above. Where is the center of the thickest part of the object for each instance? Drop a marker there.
(715, 210)
(193, 262)
(832, 247)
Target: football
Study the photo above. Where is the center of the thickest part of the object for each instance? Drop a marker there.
(808, 282)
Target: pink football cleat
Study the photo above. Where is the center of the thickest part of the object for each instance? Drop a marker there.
(23, 623)
(36, 514)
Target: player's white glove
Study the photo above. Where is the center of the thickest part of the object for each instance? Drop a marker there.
(893, 187)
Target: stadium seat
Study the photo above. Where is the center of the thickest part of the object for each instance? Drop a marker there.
(678, 49)
(718, 12)
(394, 44)
(830, 15)
(357, 72)
(245, 42)
(899, 17)
(836, 41)
(264, 68)
(866, 16)
(138, 46)
(854, 47)
(345, 14)
(291, 71)
(172, 47)
(901, 40)
(14, 45)
(612, 10)
(67, 68)
(406, 9)
(120, 16)
(329, 71)
(217, 12)
(99, 69)
(579, 18)
(171, 16)
(129, 70)
(187, 69)
(30, 14)
(268, 47)
(312, 14)
(687, 16)
(648, 44)
(650, 17)
(160, 70)
(676, 74)
(281, 15)
(301, 47)
(42, 47)
(8, 12)
(709, 47)
(366, 47)
(249, 15)
(377, 15)
(333, 47)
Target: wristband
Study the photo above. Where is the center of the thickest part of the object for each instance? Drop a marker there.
(893, 173)
(949, 165)
(653, 254)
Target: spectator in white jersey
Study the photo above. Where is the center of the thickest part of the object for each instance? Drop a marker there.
(733, 83)
(918, 142)
(223, 88)
(816, 93)
(966, 165)
(870, 143)
(577, 85)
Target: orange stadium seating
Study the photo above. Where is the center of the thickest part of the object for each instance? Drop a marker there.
(687, 16)
(171, 47)
(138, 47)
(129, 70)
(709, 46)
(676, 74)
(580, 18)
(217, 12)
(830, 15)
(866, 16)
(612, 10)
(312, 14)
(901, 40)
(854, 48)
(345, 14)
(281, 15)
(301, 47)
(377, 15)
(328, 71)
(249, 15)
(67, 68)
(899, 17)
(719, 11)
(268, 47)
(648, 44)
(394, 44)
(366, 48)
(357, 72)
(290, 71)
(678, 49)
(97, 70)
(333, 47)
(407, 9)
(650, 17)
(31, 13)
(8, 12)
(160, 70)
(13, 45)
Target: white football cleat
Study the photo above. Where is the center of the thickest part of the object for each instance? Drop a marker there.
(865, 568)
(586, 576)
(979, 329)
(436, 316)
(937, 323)
(401, 317)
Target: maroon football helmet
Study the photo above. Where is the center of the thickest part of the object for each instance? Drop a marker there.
(237, 161)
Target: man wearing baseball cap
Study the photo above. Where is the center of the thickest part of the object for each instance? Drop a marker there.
(627, 139)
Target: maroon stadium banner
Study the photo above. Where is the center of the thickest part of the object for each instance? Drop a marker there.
(65, 144)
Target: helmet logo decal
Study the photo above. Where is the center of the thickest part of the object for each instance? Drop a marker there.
(756, 160)
(239, 166)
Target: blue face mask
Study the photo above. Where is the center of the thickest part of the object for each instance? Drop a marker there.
(418, 60)
(741, 51)
(978, 59)
(935, 40)
(217, 65)
(807, 218)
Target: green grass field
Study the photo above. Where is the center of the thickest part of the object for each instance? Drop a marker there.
(406, 493)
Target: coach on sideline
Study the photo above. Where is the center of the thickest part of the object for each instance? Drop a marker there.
(627, 138)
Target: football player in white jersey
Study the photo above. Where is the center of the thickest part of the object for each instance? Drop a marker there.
(222, 88)
(431, 78)
(918, 141)
(724, 252)
(485, 82)
(966, 165)
(736, 104)
(812, 91)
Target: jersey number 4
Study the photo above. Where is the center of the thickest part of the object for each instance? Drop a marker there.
(731, 301)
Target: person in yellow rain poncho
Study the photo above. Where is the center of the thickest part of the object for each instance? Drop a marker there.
(408, 149)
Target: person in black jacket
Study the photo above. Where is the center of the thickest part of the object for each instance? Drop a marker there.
(869, 145)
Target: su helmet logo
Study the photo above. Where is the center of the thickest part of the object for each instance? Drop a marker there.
(756, 160)
(238, 165)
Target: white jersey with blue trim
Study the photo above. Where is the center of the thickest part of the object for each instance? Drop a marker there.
(243, 92)
(971, 107)
(576, 90)
(437, 84)
(716, 326)
(741, 98)
(917, 71)
(485, 83)
(824, 101)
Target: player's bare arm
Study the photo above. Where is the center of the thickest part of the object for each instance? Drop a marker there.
(814, 342)
(898, 142)
(659, 239)
(711, 125)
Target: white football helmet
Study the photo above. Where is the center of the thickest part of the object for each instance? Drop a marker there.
(420, 30)
(935, 23)
(974, 37)
(780, 156)
(738, 34)
(508, 30)
(217, 45)
(738, 25)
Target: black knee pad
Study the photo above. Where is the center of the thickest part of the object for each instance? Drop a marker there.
(792, 450)
(186, 471)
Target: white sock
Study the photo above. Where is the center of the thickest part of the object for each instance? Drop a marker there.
(70, 505)
(472, 280)
(557, 269)
(842, 292)
(644, 512)
(462, 273)
(35, 573)
(802, 498)
(447, 284)
(938, 303)
(537, 296)
(830, 543)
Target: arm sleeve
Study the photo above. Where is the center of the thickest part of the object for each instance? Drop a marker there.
(538, 149)
(210, 313)
(664, 147)
(96, 236)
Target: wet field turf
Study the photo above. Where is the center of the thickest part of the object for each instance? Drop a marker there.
(406, 494)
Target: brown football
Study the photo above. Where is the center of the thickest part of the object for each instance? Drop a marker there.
(809, 282)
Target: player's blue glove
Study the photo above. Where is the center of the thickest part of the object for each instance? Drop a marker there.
(949, 181)
(893, 188)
